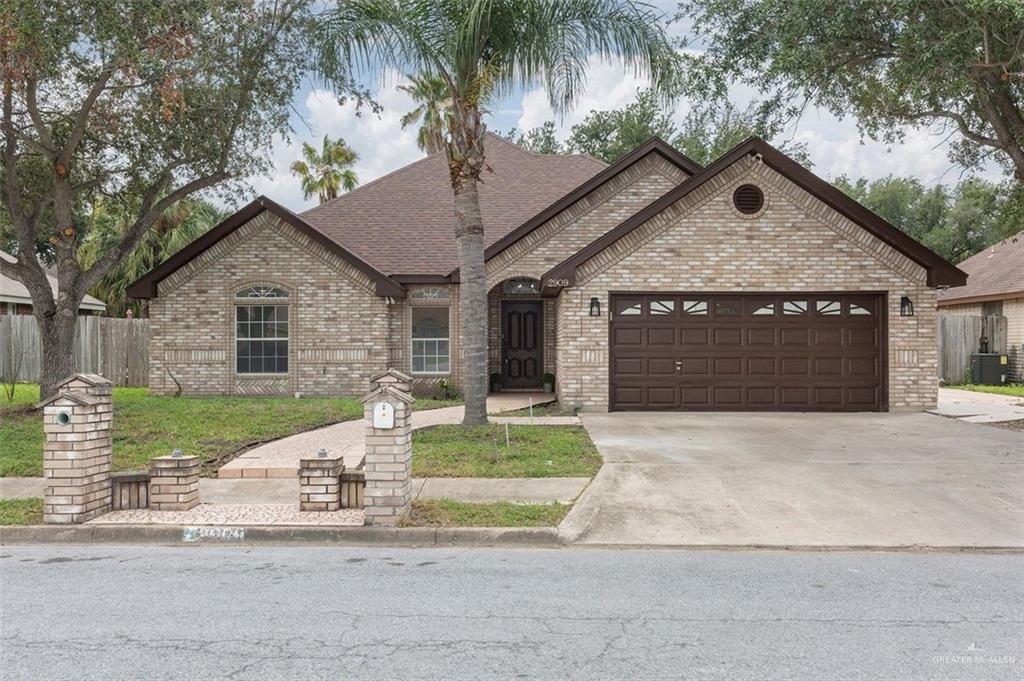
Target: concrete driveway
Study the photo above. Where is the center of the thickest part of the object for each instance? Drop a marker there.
(802, 480)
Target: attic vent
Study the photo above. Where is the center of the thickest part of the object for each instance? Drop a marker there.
(748, 199)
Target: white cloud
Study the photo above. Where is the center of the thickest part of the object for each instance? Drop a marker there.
(379, 140)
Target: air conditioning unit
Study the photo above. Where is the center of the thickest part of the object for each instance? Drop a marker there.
(989, 368)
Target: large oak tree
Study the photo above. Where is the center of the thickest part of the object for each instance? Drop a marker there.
(135, 103)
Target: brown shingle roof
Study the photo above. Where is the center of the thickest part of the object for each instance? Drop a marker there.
(997, 272)
(403, 223)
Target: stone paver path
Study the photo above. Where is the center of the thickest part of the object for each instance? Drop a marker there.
(975, 407)
(234, 514)
(280, 459)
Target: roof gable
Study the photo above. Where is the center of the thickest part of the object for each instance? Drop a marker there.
(146, 287)
(655, 145)
(940, 272)
(995, 273)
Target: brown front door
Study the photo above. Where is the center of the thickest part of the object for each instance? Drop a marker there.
(522, 354)
(781, 352)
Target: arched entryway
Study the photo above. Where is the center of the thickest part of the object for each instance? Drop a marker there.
(517, 346)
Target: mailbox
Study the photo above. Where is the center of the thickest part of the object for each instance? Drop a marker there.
(384, 415)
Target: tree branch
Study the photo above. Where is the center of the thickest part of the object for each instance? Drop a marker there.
(45, 141)
(81, 119)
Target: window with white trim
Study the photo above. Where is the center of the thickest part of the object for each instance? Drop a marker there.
(261, 339)
(430, 340)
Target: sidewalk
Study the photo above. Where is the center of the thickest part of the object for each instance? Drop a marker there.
(285, 491)
(280, 459)
(976, 407)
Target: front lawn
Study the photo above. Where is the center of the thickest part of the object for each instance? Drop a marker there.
(21, 511)
(448, 513)
(1011, 389)
(453, 451)
(146, 426)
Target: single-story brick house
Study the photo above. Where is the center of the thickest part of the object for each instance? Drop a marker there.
(651, 283)
(995, 287)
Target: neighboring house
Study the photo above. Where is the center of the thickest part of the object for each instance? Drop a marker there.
(15, 298)
(652, 283)
(995, 287)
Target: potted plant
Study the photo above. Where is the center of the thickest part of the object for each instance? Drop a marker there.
(549, 382)
(496, 382)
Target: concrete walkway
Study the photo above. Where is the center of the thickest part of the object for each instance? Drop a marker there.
(975, 407)
(277, 491)
(280, 458)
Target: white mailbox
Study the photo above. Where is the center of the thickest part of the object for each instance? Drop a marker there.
(383, 415)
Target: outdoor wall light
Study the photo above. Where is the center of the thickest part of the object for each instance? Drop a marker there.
(321, 453)
(906, 307)
(595, 307)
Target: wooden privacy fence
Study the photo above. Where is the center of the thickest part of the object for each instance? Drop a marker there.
(117, 349)
(959, 337)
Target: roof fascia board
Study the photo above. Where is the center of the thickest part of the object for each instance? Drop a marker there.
(940, 271)
(988, 297)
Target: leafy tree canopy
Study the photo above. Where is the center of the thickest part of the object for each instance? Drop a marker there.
(326, 172)
(954, 222)
(137, 104)
(704, 134)
(957, 64)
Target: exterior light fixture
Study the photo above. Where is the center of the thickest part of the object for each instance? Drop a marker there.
(906, 307)
(595, 307)
(321, 453)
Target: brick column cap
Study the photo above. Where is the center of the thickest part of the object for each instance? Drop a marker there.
(168, 461)
(390, 376)
(388, 391)
(318, 462)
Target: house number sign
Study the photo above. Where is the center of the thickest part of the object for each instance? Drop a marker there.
(383, 415)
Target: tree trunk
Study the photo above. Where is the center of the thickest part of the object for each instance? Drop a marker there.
(57, 337)
(469, 237)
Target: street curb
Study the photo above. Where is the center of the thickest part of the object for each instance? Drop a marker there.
(172, 535)
(412, 537)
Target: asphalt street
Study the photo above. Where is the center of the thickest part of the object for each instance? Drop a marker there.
(113, 612)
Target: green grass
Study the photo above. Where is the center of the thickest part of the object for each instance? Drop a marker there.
(146, 425)
(1012, 389)
(21, 511)
(448, 513)
(453, 451)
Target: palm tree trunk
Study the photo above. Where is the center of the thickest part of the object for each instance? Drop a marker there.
(469, 238)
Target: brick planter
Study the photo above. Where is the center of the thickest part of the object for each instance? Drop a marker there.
(174, 483)
(320, 484)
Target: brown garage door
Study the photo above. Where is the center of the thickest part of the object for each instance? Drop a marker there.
(783, 352)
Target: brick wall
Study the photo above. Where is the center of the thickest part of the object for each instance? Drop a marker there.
(703, 244)
(338, 327)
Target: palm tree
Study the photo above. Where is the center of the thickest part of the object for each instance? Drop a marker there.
(431, 96)
(482, 49)
(179, 225)
(327, 172)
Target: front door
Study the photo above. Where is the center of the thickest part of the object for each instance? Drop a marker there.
(522, 355)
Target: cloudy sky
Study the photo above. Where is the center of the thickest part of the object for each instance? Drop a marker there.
(834, 145)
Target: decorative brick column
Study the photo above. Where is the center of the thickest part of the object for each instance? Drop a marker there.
(77, 451)
(388, 463)
(174, 483)
(320, 483)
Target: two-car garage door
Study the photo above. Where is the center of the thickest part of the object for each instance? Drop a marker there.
(780, 351)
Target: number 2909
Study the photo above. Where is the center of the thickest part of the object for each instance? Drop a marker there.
(556, 283)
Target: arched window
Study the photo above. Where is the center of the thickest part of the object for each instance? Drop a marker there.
(261, 330)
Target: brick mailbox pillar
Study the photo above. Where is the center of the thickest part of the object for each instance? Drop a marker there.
(320, 483)
(388, 463)
(174, 482)
(77, 450)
